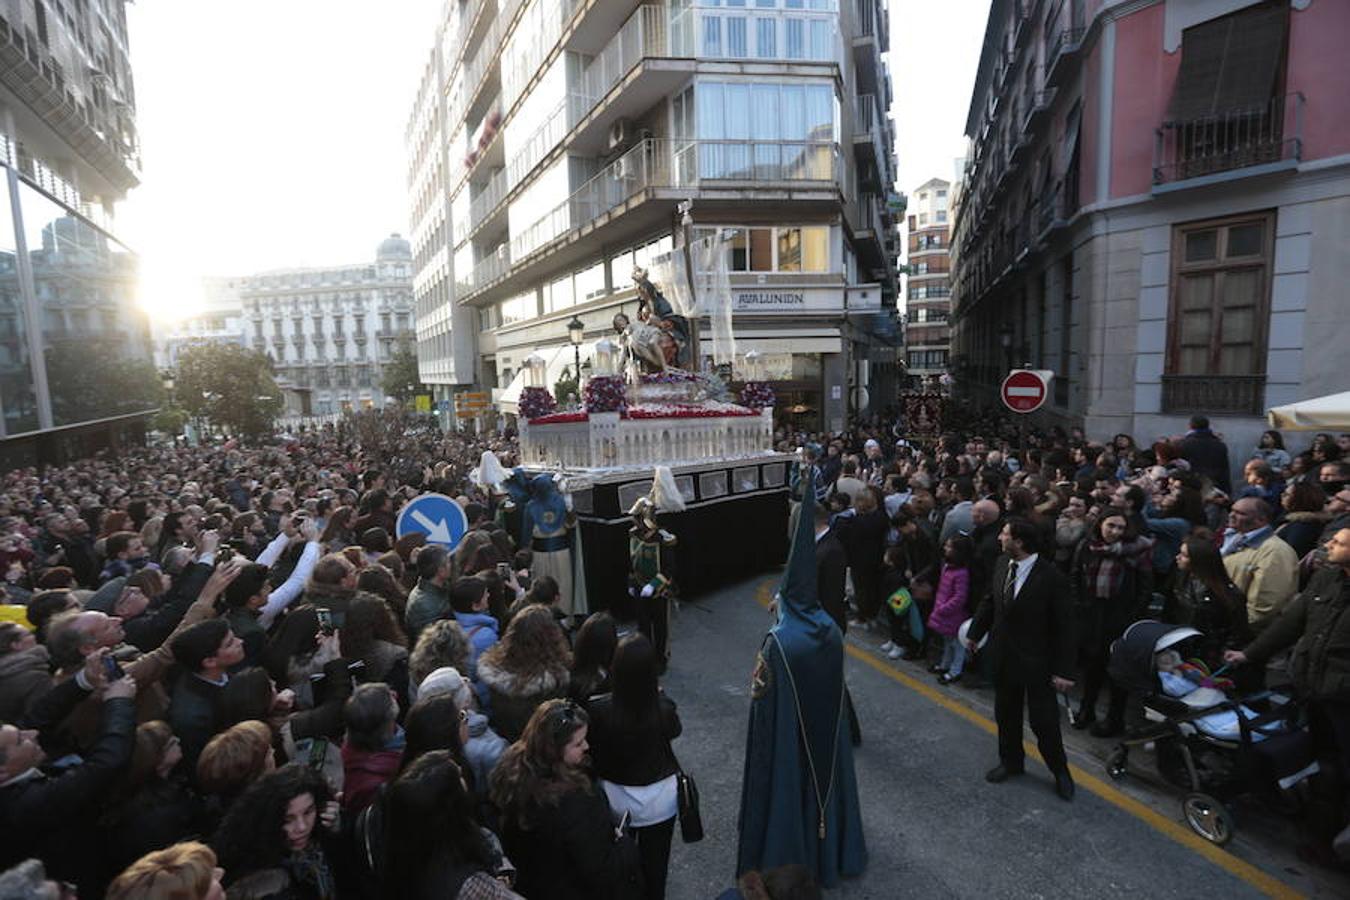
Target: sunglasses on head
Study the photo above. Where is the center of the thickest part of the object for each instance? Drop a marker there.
(566, 720)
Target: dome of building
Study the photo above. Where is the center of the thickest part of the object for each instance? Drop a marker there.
(394, 247)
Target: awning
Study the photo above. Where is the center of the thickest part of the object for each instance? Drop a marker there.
(558, 358)
(1230, 63)
(1329, 413)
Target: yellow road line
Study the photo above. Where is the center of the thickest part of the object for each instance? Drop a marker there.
(1252, 875)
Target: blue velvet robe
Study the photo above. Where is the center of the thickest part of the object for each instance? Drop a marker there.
(781, 804)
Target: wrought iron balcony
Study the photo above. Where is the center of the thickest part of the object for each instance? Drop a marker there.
(1213, 394)
(1263, 135)
(1063, 51)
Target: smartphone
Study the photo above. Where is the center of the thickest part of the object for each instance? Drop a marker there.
(504, 570)
(111, 669)
(325, 620)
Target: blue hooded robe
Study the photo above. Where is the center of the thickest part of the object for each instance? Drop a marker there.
(798, 726)
(545, 529)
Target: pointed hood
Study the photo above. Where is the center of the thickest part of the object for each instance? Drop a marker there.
(799, 609)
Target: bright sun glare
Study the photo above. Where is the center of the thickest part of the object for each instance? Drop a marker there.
(169, 293)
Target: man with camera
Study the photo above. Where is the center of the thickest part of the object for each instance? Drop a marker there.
(49, 811)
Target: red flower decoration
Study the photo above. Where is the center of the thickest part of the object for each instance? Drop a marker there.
(536, 402)
(604, 393)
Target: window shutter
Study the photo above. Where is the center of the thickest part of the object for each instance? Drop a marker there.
(1230, 63)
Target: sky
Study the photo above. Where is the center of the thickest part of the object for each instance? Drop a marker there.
(935, 48)
(271, 135)
(272, 130)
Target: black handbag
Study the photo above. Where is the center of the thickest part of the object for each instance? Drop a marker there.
(691, 820)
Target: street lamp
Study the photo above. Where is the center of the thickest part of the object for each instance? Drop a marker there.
(576, 333)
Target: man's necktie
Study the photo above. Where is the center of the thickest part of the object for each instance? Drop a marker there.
(1010, 582)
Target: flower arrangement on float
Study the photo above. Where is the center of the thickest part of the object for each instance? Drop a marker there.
(605, 393)
(536, 402)
(757, 395)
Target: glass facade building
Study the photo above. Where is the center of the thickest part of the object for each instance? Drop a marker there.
(75, 346)
(76, 360)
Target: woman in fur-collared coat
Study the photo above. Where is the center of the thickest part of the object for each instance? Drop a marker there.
(529, 665)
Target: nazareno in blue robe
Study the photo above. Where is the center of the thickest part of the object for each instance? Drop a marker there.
(799, 778)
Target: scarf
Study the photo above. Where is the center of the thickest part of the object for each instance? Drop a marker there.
(1106, 566)
(310, 868)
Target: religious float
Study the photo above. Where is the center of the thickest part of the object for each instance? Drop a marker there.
(642, 408)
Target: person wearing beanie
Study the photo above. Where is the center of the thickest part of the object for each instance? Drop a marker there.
(484, 747)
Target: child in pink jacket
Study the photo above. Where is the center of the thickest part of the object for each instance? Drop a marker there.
(950, 606)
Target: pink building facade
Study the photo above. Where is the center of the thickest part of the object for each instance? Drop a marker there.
(1157, 208)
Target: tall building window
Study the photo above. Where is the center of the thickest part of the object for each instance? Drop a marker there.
(1063, 377)
(1219, 313)
(736, 43)
(766, 32)
(783, 249)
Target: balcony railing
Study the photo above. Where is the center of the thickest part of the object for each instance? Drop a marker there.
(697, 162)
(644, 34)
(1232, 139)
(654, 163)
(1211, 394)
(530, 51)
(1066, 43)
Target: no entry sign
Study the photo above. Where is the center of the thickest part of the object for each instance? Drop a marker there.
(1024, 390)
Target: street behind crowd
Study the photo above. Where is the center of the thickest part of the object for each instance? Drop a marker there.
(934, 828)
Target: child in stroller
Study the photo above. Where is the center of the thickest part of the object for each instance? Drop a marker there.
(1213, 747)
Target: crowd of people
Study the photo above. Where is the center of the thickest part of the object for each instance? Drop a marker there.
(912, 538)
(221, 670)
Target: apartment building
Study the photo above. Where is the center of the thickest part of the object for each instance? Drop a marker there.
(552, 141)
(76, 374)
(1156, 208)
(928, 283)
(330, 331)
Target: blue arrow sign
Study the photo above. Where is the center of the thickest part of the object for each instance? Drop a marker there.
(437, 516)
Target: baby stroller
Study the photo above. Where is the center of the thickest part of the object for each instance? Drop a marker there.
(1212, 747)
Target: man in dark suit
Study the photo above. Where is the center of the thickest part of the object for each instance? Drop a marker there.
(1029, 619)
(1206, 453)
(831, 568)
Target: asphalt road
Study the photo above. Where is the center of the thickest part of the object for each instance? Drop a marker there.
(934, 827)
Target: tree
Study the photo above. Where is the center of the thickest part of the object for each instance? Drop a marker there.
(170, 419)
(401, 379)
(95, 380)
(230, 385)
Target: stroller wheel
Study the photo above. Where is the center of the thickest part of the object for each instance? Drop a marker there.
(1208, 818)
(1116, 765)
